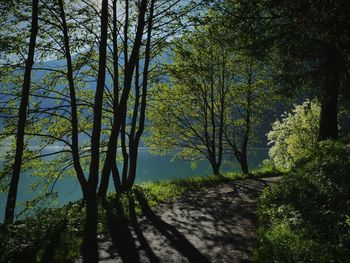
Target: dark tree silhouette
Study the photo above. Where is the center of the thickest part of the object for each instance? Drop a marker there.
(22, 117)
(308, 42)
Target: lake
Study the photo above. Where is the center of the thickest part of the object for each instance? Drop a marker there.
(151, 168)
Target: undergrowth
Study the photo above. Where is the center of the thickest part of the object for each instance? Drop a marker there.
(305, 216)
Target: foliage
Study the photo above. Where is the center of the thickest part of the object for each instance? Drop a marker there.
(187, 114)
(304, 216)
(49, 134)
(53, 235)
(295, 136)
(212, 101)
(267, 170)
(295, 35)
(306, 41)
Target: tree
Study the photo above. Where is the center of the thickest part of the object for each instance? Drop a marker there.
(213, 103)
(307, 41)
(188, 113)
(295, 136)
(250, 97)
(48, 116)
(22, 116)
(73, 100)
(90, 237)
(119, 121)
(130, 101)
(63, 109)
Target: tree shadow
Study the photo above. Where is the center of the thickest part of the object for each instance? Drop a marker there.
(177, 240)
(122, 239)
(138, 231)
(224, 224)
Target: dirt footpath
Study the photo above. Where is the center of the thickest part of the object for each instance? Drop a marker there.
(214, 224)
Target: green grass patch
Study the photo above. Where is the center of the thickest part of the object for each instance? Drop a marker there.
(160, 191)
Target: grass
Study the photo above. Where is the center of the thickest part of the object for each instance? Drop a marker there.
(156, 192)
(160, 191)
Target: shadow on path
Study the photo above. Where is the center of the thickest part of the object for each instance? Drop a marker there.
(123, 242)
(178, 241)
(138, 231)
(214, 224)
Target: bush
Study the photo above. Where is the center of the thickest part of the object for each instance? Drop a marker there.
(305, 216)
(54, 235)
(295, 136)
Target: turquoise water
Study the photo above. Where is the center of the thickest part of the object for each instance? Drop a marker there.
(150, 168)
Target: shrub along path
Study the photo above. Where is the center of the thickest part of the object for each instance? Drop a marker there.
(215, 224)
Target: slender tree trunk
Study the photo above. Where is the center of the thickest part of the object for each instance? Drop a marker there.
(129, 72)
(212, 112)
(329, 101)
(216, 169)
(22, 118)
(90, 253)
(96, 129)
(73, 101)
(133, 165)
(122, 117)
(124, 153)
(136, 103)
(130, 178)
(136, 140)
(116, 177)
(110, 161)
(244, 163)
(243, 154)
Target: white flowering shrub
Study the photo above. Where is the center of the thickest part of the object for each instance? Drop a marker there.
(295, 136)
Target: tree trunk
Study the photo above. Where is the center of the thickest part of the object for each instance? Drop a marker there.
(329, 114)
(329, 100)
(90, 252)
(244, 164)
(132, 169)
(22, 118)
(110, 163)
(216, 169)
(129, 72)
(124, 153)
(73, 101)
(96, 129)
(243, 154)
(116, 177)
(133, 149)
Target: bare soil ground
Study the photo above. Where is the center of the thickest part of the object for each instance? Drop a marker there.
(215, 224)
